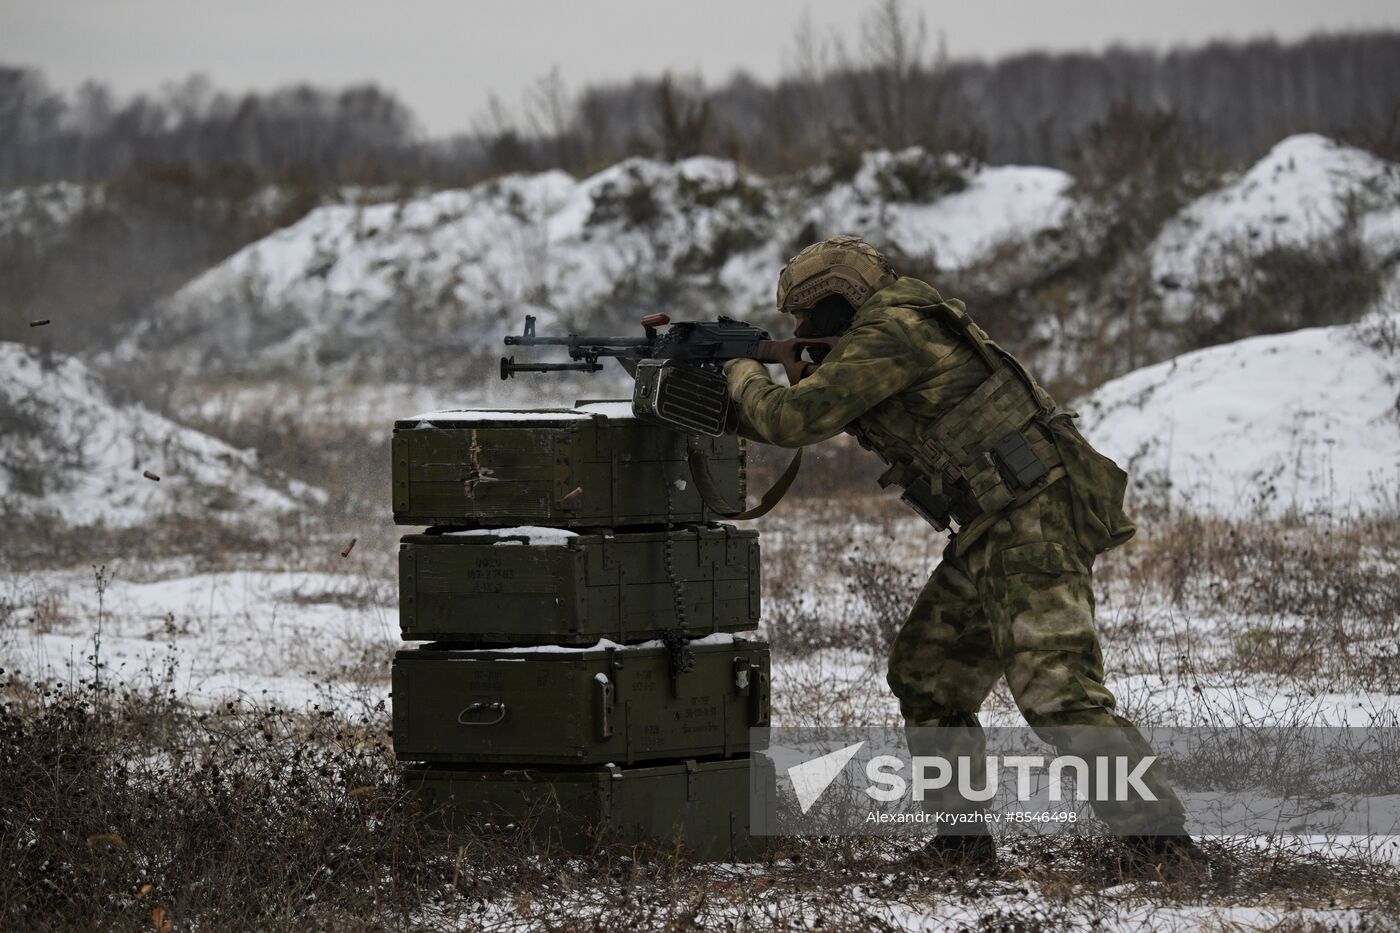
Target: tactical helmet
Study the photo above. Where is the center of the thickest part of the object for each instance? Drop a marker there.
(842, 265)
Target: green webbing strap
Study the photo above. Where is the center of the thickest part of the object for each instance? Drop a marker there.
(714, 499)
(956, 314)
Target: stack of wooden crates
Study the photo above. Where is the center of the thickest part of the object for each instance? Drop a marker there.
(582, 680)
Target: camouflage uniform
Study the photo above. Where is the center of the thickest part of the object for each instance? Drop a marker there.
(1013, 594)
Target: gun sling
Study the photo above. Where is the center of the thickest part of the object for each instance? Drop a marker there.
(709, 490)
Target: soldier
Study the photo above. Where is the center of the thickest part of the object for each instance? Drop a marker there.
(980, 449)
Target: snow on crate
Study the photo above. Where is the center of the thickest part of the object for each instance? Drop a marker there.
(716, 638)
(616, 410)
(1306, 422)
(479, 415)
(68, 448)
(534, 535)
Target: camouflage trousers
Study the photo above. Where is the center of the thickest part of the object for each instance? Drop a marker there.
(1019, 604)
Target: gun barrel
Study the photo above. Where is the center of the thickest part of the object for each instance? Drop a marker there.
(573, 340)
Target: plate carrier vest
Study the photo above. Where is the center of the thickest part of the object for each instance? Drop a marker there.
(991, 452)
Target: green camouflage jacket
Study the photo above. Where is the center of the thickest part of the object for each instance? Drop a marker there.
(896, 371)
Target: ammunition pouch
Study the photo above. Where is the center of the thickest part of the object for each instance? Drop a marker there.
(925, 495)
(992, 451)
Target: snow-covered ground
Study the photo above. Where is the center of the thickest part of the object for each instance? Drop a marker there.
(297, 639)
(1302, 423)
(878, 902)
(294, 638)
(71, 450)
(287, 638)
(324, 641)
(362, 310)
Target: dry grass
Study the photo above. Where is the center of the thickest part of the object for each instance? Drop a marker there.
(1315, 601)
(123, 808)
(1308, 599)
(118, 805)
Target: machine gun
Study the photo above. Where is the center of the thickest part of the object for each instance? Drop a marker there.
(679, 382)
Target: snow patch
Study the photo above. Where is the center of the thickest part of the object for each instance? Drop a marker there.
(534, 535)
(69, 448)
(998, 203)
(1305, 422)
(45, 212)
(1303, 191)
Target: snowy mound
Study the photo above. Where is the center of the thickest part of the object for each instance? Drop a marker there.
(457, 270)
(922, 205)
(1307, 189)
(1306, 422)
(411, 290)
(68, 449)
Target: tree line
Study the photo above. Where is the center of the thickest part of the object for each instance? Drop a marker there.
(887, 86)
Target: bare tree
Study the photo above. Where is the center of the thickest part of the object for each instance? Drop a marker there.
(506, 148)
(810, 60)
(598, 128)
(804, 119)
(683, 120)
(883, 82)
(552, 115)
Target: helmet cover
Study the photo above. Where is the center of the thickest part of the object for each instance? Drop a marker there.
(842, 265)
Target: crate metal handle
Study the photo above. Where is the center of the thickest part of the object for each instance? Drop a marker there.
(476, 707)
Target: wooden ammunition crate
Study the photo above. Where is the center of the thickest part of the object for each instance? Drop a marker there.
(578, 706)
(500, 589)
(572, 467)
(703, 805)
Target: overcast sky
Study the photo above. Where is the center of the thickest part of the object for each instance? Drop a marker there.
(443, 57)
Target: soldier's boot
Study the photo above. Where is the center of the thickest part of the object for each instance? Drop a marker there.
(1165, 858)
(966, 852)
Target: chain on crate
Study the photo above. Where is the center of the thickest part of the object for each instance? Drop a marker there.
(677, 646)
